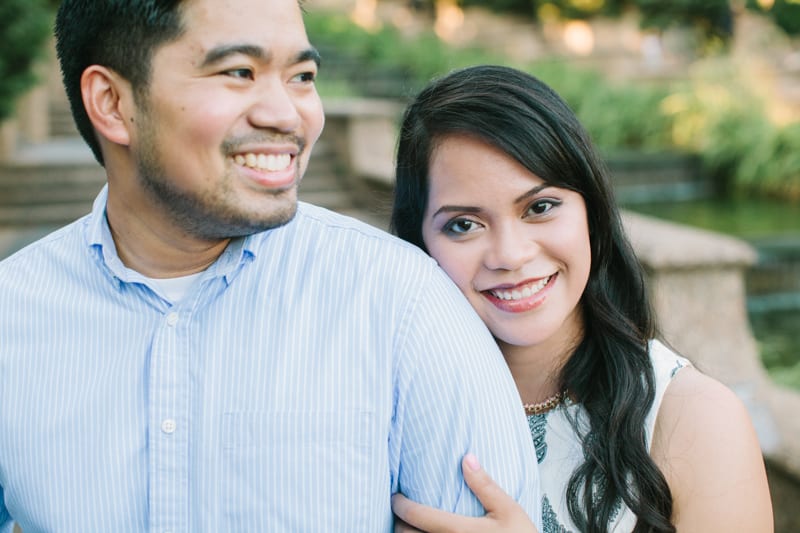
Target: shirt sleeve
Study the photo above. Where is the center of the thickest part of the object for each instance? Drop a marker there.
(454, 394)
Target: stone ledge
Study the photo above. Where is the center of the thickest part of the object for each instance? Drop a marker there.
(666, 245)
(364, 131)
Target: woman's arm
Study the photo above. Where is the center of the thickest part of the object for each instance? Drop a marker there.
(706, 447)
(503, 514)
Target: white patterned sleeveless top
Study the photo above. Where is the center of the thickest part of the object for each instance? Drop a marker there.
(558, 449)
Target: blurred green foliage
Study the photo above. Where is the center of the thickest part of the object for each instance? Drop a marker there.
(24, 28)
(714, 112)
(785, 13)
(710, 18)
(779, 345)
(381, 63)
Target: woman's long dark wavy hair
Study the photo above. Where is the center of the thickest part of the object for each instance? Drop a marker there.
(610, 372)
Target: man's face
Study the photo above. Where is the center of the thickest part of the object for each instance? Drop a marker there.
(226, 125)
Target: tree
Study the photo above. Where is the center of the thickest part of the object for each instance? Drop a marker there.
(24, 28)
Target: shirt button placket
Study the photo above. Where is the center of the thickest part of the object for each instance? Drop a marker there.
(168, 426)
(169, 406)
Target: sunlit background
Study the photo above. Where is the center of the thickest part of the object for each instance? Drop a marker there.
(695, 106)
(716, 82)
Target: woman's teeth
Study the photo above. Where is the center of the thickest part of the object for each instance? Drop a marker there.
(519, 294)
(269, 162)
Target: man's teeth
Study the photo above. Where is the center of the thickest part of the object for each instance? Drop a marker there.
(271, 162)
(519, 294)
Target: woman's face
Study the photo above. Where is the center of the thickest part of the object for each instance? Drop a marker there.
(517, 248)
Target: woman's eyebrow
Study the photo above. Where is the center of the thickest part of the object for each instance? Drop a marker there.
(533, 192)
(456, 208)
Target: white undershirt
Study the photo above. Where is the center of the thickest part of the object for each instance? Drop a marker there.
(174, 288)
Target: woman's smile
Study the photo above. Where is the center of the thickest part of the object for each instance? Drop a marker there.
(522, 297)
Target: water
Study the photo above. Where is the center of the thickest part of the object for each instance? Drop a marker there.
(750, 219)
(779, 344)
(773, 284)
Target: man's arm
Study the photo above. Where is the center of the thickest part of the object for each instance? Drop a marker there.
(454, 394)
(503, 513)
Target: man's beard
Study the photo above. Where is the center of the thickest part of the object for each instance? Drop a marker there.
(210, 214)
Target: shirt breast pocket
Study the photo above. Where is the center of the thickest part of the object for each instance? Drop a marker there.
(302, 471)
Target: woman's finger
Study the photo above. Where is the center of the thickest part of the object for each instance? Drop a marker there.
(493, 498)
(504, 515)
(503, 512)
(428, 518)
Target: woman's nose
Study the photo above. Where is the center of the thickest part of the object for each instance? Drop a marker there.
(511, 247)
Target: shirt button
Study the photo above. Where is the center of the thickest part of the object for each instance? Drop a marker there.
(172, 319)
(168, 426)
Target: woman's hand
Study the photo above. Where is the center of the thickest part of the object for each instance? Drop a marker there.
(503, 514)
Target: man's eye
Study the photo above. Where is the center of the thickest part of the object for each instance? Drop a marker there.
(306, 77)
(243, 73)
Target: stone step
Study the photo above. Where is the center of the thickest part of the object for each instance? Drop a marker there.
(64, 210)
(45, 184)
(61, 123)
(49, 214)
(62, 126)
(57, 182)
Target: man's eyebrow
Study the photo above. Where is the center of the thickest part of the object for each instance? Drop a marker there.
(219, 53)
(309, 54)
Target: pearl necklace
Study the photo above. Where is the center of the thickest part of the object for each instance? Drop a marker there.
(546, 405)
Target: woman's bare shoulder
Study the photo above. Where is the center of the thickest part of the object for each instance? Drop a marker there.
(706, 446)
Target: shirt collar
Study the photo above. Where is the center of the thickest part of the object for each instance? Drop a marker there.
(239, 251)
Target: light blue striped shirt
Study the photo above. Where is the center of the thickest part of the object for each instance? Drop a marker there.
(310, 372)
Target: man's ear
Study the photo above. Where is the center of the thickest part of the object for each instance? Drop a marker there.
(108, 100)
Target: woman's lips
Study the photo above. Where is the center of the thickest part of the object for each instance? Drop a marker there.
(522, 297)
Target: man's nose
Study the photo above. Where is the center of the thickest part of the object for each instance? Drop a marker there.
(275, 108)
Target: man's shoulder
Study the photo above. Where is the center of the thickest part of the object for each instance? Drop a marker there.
(337, 249)
(343, 230)
(310, 214)
(35, 256)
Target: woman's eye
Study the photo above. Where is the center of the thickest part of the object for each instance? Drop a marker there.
(541, 207)
(460, 226)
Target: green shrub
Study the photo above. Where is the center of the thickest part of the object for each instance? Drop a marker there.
(616, 116)
(772, 164)
(715, 113)
(362, 57)
(721, 117)
(24, 28)
(785, 13)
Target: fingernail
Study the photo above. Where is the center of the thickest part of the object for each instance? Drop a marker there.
(472, 462)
